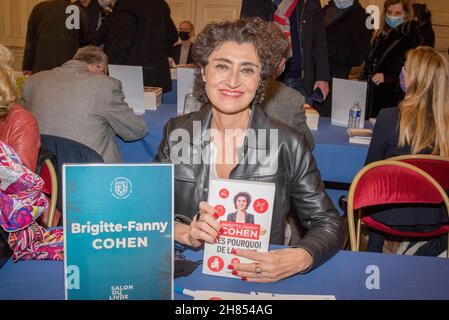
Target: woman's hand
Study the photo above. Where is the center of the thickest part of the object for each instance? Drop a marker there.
(271, 266)
(378, 78)
(204, 227)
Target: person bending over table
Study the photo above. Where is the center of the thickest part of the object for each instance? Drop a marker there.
(419, 125)
(235, 60)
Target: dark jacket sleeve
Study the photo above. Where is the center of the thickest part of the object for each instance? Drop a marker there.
(378, 144)
(325, 227)
(121, 36)
(30, 45)
(320, 46)
(163, 153)
(172, 32)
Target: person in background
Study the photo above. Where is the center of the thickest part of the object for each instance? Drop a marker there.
(302, 23)
(235, 61)
(78, 101)
(398, 33)
(142, 33)
(424, 18)
(92, 10)
(49, 43)
(107, 11)
(419, 125)
(18, 127)
(348, 41)
(181, 53)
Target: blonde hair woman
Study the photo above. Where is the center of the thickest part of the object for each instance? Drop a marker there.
(18, 127)
(424, 123)
(419, 125)
(398, 33)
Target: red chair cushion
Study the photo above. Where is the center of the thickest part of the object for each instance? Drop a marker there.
(394, 184)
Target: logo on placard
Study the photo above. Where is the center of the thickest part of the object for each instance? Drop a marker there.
(121, 188)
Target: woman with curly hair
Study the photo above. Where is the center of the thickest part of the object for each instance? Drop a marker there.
(242, 200)
(231, 137)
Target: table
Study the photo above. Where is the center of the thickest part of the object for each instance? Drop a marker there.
(345, 276)
(337, 159)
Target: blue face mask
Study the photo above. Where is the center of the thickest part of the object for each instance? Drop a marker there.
(343, 4)
(394, 22)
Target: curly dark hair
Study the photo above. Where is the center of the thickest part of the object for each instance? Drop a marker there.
(270, 44)
(242, 194)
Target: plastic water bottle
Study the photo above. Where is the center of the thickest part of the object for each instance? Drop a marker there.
(190, 104)
(355, 113)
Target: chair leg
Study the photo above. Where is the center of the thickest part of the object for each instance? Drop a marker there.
(359, 226)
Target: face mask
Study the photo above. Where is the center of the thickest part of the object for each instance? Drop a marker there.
(343, 4)
(402, 81)
(394, 22)
(184, 35)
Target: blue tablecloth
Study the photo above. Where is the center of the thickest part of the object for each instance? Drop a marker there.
(345, 276)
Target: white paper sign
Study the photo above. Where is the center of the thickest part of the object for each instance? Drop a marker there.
(220, 295)
(185, 82)
(344, 94)
(132, 85)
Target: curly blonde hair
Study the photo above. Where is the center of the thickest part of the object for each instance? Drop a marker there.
(8, 91)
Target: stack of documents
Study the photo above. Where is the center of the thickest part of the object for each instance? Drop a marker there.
(360, 136)
(153, 97)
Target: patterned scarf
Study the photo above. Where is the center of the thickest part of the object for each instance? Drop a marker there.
(21, 203)
(282, 19)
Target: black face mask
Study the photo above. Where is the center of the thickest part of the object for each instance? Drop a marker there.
(184, 35)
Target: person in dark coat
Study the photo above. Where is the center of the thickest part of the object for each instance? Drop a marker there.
(348, 41)
(49, 43)
(399, 33)
(141, 34)
(181, 53)
(92, 10)
(424, 18)
(309, 66)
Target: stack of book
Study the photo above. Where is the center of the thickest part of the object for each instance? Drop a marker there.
(312, 117)
(153, 97)
(360, 136)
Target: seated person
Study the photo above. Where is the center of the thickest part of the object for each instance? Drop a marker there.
(181, 53)
(18, 127)
(242, 200)
(419, 125)
(235, 61)
(78, 101)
